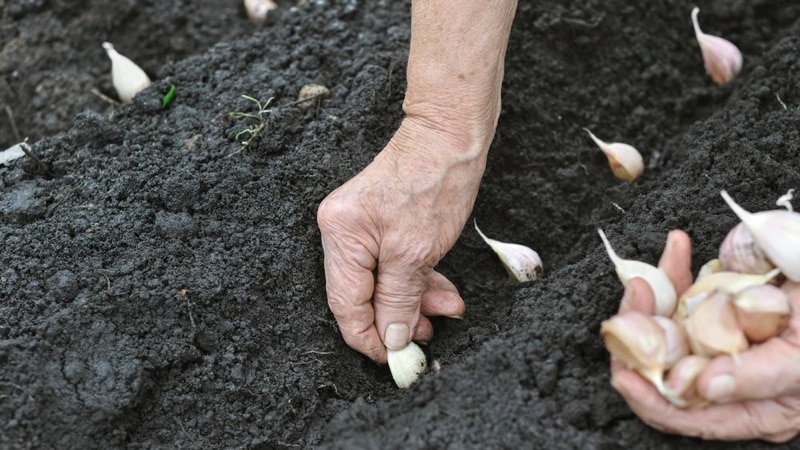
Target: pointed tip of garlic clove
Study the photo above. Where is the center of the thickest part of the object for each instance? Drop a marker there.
(625, 161)
(128, 78)
(520, 262)
(722, 59)
(407, 364)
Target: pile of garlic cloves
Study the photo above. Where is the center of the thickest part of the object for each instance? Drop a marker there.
(735, 302)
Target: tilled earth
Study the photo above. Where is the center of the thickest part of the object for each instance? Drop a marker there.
(162, 287)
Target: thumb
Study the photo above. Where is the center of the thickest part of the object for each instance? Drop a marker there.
(397, 299)
(764, 372)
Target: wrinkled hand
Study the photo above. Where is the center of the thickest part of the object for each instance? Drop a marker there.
(384, 231)
(759, 399)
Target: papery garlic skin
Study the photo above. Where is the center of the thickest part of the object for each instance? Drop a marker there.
(257, 10)
(777, 234)
(128, 78)
(763, 311)
(627, 269)
(521, 263)
(740, 253)
(681, 379)
(722, 59)
(625, 161)
(713, 329)
(407, 364)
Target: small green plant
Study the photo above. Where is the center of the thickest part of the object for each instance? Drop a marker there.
(257, 122)
(169, 96)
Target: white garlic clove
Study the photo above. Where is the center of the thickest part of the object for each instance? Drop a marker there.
(722, 59)
(763, 311)
(785, 200)
(521, 263)
(625, 161)
(681, 379)
(739, 253)
(677, 345)
(128, 78)
(713, 329)
(712, 266)
(406, 365)
(311, 95)
(627, 269)
(257, 10)
(722, 282)
(777, 233)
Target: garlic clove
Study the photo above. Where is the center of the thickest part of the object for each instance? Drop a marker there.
(712, 266)
(521, 263)
(677, 346)
(722, 282)
(681, 379)
(627, 269)
(406, 365)
(722, 59)
(785, 200)
(257, 10)
(777, 233)
(713, 328)
(626, 162)
(763, 311)
(128, 78)
(739, 253)
(311, 95)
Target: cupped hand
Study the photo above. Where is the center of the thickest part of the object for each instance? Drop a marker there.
(385, 230)
(757, 399)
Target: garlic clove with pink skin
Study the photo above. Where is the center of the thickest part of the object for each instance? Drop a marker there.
(625, 161)
(740, 253)
(627, 269)
(763, 311)
(777, 234)
(722, 282)
(713, 328)
(677, 346)
(522, 263)
(682, 378)
(257, 10)
(128, 78)
(722, 59)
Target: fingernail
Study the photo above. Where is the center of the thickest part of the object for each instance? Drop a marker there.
(720, 387)
(455, 317)
(396, 336)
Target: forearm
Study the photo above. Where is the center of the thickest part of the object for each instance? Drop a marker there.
(455, 67)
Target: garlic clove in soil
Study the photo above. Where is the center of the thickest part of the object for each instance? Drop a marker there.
(627, 269)
(739, 252)
(777, 234)
(681, 379)
(677, 346)
(713, 328)
(712, 266)
(406, 365)
(722, 59)
(625, 161)
(311, 95)
(722, 282)
(128, 78)
(521, 263)
(763, 311)
(257, 10)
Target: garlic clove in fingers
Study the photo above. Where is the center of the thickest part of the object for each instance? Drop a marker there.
(723, 282)
(777, 234)
(521, 262)
(681, 379)
(406, 364)
(677, 346)
(722, 59)
(712, 266)
(713, 328)
(739, 252)
(627, 269)
(763, 311)
(128, 78)
(625, 161)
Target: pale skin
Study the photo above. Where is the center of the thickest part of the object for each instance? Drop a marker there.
(385, 230)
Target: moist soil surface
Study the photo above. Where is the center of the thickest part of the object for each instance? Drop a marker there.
(161, 285)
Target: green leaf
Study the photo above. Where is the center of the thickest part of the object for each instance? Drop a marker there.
(168, 96)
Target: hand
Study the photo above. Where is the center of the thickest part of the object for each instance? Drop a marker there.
(758, 399)
(384, 231)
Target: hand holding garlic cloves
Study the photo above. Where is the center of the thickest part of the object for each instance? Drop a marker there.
(759, 398)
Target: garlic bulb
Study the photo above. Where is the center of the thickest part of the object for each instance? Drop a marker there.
(677, 347)
(739, 253)
(521, 263)
(763, 311)
(722, 282)
(681, 379)
(627, 269)
(713, 328)
(407, 364)
(257, 10)
(626, 162)
(777, 233)
(128, 78)
(712, 266)
(722, 59)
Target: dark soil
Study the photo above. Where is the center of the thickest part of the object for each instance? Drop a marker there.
(156, 292)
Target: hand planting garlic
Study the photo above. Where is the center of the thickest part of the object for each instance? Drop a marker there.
(128, 78)
(626, 162)
(627, 269)
(406, 365)
(722, 59)
(521, 262)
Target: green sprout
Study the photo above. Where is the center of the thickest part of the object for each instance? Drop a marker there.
(258, 122)
(169, 96)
